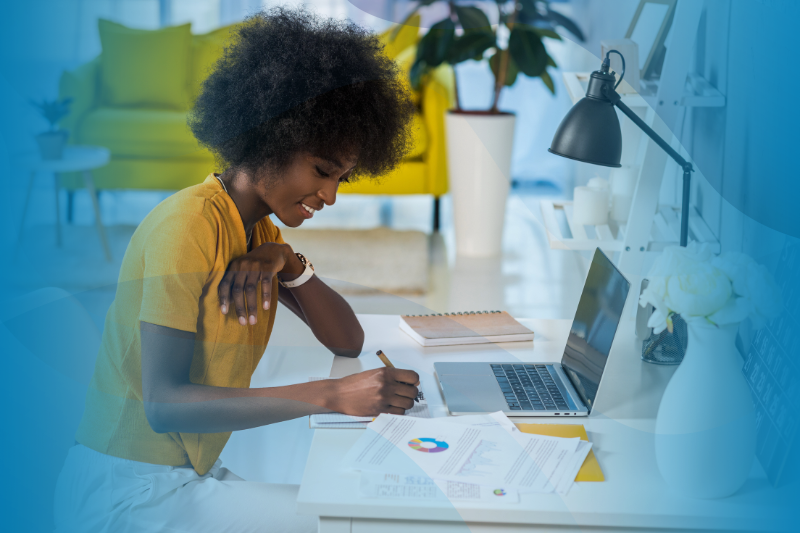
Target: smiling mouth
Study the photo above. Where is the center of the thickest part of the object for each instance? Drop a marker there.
(309, 211)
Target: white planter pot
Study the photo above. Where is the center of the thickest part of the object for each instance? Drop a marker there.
(479, 158)
(706, 427)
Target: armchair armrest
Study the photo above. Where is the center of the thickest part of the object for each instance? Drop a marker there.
(438, 97)
(81, 85)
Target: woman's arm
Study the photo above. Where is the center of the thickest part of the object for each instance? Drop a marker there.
(328, 315)
(172, 403)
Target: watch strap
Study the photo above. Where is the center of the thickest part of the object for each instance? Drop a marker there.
(302, 278)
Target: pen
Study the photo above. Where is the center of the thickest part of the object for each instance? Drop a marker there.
(387, 363)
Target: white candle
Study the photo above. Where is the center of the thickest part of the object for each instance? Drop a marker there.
(623, 180)
(590, 206)
(621, 207)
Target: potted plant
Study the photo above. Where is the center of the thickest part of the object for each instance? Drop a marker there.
(479, 143)
(51, 143)
(705, 433)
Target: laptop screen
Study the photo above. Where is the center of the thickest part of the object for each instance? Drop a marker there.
(594, 327)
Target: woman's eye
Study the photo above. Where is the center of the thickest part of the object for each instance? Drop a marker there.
(321, 173)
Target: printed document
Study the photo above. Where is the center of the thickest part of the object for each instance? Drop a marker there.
(564, 477)
(409, 487)
(488, 455)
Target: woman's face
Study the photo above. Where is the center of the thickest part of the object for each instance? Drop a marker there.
(305, 186)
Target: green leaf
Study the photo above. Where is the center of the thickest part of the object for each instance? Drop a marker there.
(416, 73)
(551, 62)
(470, 45)
(434, 46)
(557, 19)
(528, 51)
(511, 73)
(472, 18)
(548, 81)
(544, 32)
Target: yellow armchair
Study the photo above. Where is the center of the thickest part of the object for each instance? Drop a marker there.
(153, 148)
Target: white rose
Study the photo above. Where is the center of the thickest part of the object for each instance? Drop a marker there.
(726, 289)
(700, 293)
(753, 285)
(683, 280)
(736, 310)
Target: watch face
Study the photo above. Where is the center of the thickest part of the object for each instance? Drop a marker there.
(306, 262)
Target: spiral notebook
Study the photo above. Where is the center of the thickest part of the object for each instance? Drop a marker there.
(471, 327)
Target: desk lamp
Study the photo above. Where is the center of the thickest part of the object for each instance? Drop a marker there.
(590, 132)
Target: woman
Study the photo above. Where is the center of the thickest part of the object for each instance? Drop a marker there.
(296, 106)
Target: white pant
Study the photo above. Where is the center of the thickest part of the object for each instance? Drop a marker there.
(98, 493)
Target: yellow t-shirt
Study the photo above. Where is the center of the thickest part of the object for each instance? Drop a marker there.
(169, 277)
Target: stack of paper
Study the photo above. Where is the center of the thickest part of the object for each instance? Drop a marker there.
(483, 454)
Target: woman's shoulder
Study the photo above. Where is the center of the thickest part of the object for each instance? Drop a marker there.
(203, 200)
(207, 196)
(194, 208)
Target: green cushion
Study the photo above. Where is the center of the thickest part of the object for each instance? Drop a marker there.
(144, 67)
(144, 133)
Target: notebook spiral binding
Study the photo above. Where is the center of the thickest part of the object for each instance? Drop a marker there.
(459, 313)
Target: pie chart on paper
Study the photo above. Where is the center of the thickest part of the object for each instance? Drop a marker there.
(428, 445)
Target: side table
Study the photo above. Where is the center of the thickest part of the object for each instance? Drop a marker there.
(76, 158)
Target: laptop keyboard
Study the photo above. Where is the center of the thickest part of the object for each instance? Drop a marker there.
(529, 388)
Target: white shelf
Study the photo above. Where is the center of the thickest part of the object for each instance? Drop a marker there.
(610, 238)
(698, 92)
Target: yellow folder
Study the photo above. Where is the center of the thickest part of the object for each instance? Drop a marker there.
(590, 471)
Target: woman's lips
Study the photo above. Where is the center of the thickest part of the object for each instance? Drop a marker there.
(303, 211)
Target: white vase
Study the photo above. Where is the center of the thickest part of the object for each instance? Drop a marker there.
(706, 427)
(479, 159)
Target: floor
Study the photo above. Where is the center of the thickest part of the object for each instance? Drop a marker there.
(528, 280)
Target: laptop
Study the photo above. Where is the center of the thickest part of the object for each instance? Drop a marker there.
(568, 388)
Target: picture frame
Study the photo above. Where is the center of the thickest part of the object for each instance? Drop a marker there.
(649, 29)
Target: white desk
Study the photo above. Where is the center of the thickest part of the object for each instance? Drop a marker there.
(633, 495)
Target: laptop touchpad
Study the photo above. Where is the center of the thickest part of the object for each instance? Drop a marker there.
(472, 394)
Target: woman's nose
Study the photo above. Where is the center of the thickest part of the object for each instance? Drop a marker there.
(328, 193)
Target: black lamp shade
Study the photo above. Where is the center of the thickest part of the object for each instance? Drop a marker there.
(590, 133)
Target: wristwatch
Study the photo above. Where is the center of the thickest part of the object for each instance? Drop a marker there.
(302, 278)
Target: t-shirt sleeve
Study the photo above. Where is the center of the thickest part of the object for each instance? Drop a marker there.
(178, 262)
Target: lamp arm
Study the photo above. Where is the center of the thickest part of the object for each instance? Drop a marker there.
(617, 101)
(612, 95)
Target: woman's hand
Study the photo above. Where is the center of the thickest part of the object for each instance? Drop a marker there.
(369, 393)
(245, 274)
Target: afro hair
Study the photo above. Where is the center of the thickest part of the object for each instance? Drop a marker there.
(293, 82)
